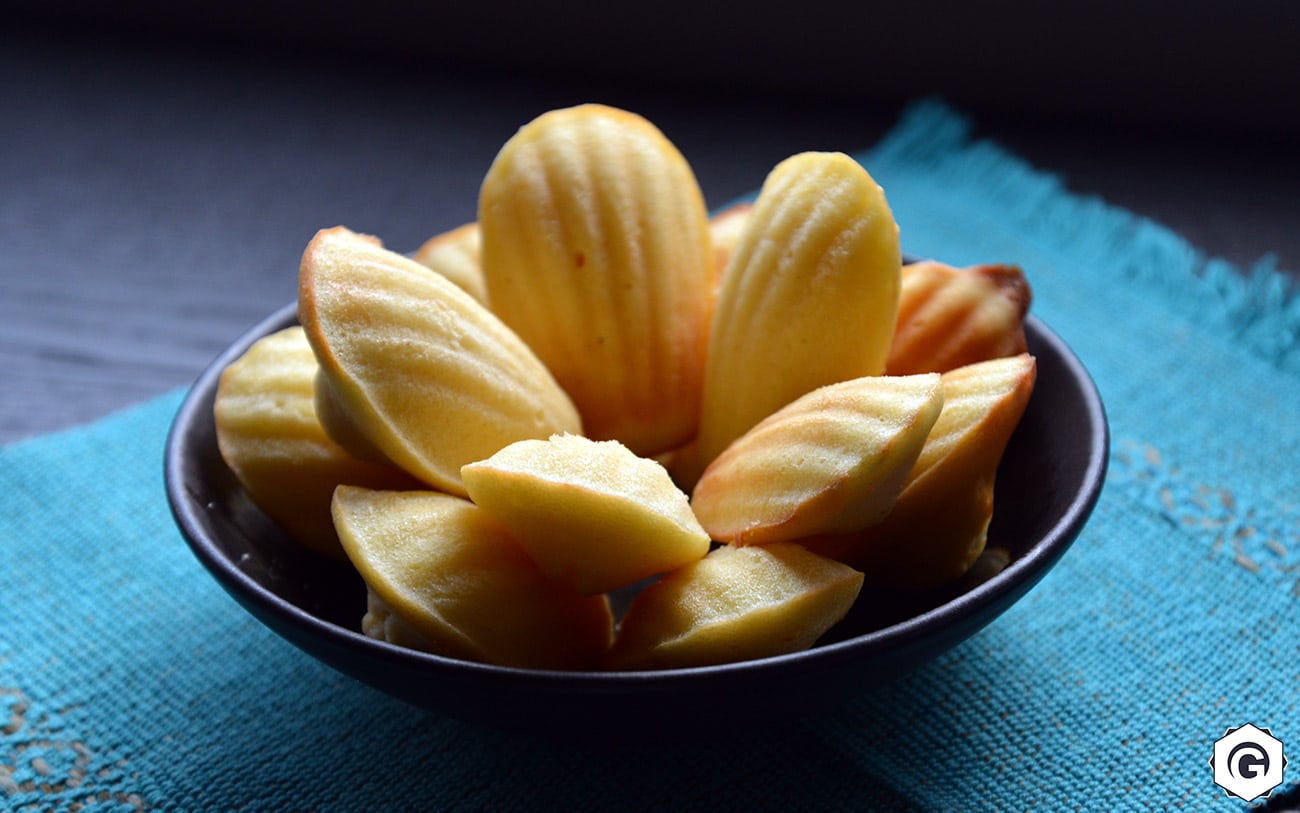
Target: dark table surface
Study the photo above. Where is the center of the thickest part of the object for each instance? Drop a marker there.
(156, 192)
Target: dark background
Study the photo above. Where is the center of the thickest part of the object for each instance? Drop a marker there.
(162, 165)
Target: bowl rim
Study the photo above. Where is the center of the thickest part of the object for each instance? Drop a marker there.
(968, 607)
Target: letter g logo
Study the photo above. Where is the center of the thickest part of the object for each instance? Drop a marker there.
(1248, 762)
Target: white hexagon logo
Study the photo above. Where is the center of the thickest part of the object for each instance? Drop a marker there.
(1248, 762)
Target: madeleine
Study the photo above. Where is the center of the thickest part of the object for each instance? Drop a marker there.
(414, 370)
(939, 524)
(832, 461)
(445, 578)
(735, 604)
(270, 437)
(595, 250)
(591, 513)
(809, 297)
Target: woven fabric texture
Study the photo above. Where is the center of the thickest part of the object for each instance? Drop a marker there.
(129, 680)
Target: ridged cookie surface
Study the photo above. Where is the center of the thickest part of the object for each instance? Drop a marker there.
(595, 250)
(414, 367)
(950, 317)
(810, 296)
(270, 437)
(831, 461)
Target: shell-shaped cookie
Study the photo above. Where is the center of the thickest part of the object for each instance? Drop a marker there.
(725, 229)
(382, 624)
(456, 255)
(735, 604)
(414, 366)
(595, 251)
(447, 579)
(810, 296)
(831, 461)
(592, 514)
(939, 524)
(269, 436)
(951, 317)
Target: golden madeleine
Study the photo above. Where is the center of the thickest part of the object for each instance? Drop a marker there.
(456, 579)
(832, 461)
(950, 317)
(809, 298)
(382, 624)
(595, 250)
(415, 369)
(939, 524)
(591, 513)
(725, 229)
(456, 255)
(735, 604)
(269, 436)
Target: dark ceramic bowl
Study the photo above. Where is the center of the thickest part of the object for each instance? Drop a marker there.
(1048, 483)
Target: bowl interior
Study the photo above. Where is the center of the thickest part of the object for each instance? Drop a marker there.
(1048, 483)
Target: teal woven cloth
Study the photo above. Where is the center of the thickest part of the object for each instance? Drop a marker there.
(129, 680)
